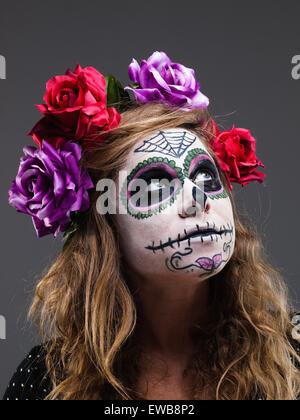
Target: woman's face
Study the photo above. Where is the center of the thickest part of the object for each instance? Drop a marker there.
(179, 219)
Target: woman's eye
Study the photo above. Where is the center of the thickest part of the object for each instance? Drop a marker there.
(203, 176)
(153, 187)
(156, 185)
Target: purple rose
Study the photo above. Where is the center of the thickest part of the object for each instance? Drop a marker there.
(49, 186)
(160, 79)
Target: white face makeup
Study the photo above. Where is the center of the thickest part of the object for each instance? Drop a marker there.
(187, 230)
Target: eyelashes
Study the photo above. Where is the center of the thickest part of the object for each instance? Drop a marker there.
(152, 187)
(156, 176)
(156, 189)
(207, 166)
(155, 183)
(202, 166)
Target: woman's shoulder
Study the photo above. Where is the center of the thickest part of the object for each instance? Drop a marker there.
(30, 381)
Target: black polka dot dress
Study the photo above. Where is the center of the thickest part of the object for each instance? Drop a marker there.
(30, 382)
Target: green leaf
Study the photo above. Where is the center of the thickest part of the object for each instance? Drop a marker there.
(68, 239)
(117, 97)
(76, 218)
(72, 227)
(135, 86)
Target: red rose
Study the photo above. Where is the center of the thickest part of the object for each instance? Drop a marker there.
(96, 137)
(235, 150)
(75, 108)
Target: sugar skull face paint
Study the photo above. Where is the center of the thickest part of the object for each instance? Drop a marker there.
(187, 230)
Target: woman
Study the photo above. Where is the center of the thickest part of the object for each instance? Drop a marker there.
(164, 299)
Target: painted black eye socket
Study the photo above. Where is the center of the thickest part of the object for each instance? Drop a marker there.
(157, 187)
(154, 174)
(205, 172)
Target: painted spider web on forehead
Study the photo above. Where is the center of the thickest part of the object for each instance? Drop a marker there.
(172, 143)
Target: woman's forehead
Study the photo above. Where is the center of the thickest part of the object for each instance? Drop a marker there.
(173, 143)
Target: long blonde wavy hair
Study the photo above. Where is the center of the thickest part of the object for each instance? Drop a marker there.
(88, 315)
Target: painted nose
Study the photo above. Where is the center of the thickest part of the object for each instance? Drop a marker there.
(194, 200)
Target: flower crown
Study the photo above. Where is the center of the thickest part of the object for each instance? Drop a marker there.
(51, 186)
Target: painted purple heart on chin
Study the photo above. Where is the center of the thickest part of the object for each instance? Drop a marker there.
(208, 264)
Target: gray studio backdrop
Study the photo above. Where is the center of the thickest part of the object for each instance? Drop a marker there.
(242, 52)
